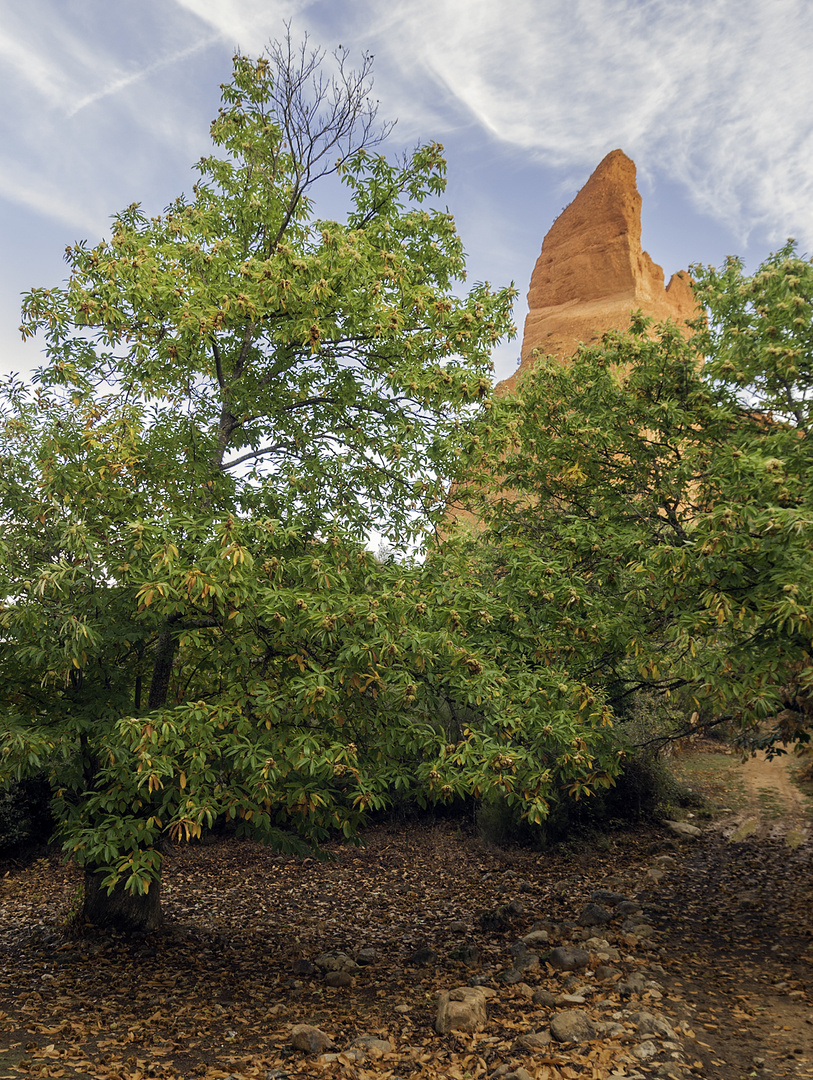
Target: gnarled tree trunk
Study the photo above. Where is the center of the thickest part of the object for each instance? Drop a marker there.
(120, 910)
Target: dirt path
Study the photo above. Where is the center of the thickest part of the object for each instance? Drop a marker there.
(728, 965)
(772, 806)
(737, 916)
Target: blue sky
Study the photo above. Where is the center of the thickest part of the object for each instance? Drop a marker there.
(107, 102)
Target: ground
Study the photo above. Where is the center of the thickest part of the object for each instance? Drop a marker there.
(216, 993)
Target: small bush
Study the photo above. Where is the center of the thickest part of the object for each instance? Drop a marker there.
(25, 814)
(503, 826)
(645, 790)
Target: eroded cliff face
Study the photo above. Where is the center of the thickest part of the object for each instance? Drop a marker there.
(590, 275)
(592, 272)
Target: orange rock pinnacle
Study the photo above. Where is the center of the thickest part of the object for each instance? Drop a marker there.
(591, 272)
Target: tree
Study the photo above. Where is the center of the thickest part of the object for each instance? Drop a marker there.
(274, 361)
(233, 393)
(654, 508)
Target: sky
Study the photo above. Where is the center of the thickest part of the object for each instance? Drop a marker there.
(108, 102)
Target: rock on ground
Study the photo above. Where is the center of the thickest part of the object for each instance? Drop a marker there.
(310, 1039)
(573, 1025)
(461, 1009)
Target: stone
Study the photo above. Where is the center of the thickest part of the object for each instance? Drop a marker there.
(564, 958)
(629, 924)
(524, 959)
(606, 896)
(593, 944)
(527, 961)
(458, 926)
(573, 1025)
(310, 1039)
(544, 997)
(510, 977)
(609, 955)
(684, 830)
(645, 1051)
(643, 930)
(374, 1046)
(346, 1057)
(628, 907)
(646, 1023)
(466, 954)
(423, 957)
(336, 961)
(609, 1029)
(670, 1070)
(595, 915)
(304, 967)
(605, 973)
(592, 272)
(536, 937)
(635, 984)
(461, 1009)
(338, 978)
(535, 1040)
(366, 955)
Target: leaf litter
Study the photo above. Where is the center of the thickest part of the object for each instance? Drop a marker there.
(217, 991)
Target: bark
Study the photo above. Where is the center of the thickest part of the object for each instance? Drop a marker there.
(162, 668)
(121, 910)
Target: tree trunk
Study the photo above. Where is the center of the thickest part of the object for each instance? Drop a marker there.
(162, 667)
(121, 910)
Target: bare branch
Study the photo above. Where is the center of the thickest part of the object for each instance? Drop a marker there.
(324, 121)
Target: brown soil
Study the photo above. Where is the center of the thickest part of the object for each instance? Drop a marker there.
(774, 801)
(740, 911)
(216, 992)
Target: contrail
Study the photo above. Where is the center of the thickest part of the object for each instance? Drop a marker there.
(128, 80)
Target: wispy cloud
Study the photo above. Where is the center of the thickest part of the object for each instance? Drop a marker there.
(48, 197)
(714, 93)
(117, 84)
(247, 23)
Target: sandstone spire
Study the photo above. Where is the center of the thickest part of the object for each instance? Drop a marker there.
(592, 272)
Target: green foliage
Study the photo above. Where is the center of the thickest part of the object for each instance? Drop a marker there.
(232, 392)
(652, 517)
(235, 393)
(237, 351)
(25, 816)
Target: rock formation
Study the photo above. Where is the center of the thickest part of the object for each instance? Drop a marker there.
(591, 272)
(590, 275)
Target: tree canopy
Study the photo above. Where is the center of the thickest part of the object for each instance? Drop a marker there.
(653, 509)
(234, 393)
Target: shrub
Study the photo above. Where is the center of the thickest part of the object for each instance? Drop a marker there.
(25, 816)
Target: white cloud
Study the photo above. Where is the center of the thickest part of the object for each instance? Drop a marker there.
(714, 93)
(76, 164)
(121, 82)
(245, 23)
(48, 197)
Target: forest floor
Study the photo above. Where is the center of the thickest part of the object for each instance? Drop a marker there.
(726, 964)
